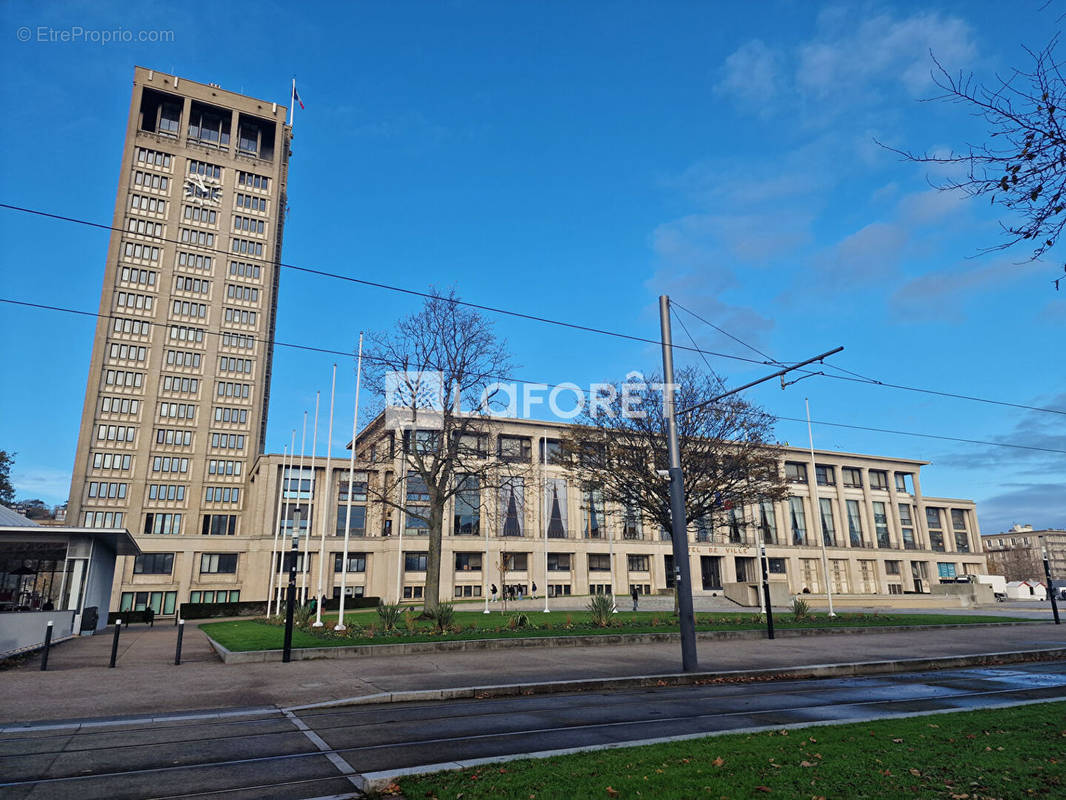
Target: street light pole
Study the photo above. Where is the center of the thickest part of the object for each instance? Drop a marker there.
(679, 532)
(290, 593)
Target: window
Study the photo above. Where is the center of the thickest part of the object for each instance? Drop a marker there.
(250, 181)
(218, 596)
(934, 519)
(907, 527)
(205, 169)
(798, 520)
(558, 562)
(416, 520)
(637, 563)
(243, 246)
(851, 477)
(592, 519)
(512, 499)
(776, 566)
(219, 525)
(155, 523)
(467, 519)
(357, 521)
(356, 562)
(285, 561)
(412, 592)
(467, 562)
(631, 523)
(515, 562)
(468, 590)
(795, 472)
(558, 590)
(160, 602)
(825, 475)
(102, 519)
(905, 482)
(829, 533)
(946, 570)
(768, 522)
(557, 508)
(958, 526)
(222, 494)
(162, 492)
(893, 567)
(153, 564)
(415, 562)
(599, 562)
(881, 524)
(551, 451)
(218, 563)
(854, 523)
(515, 448)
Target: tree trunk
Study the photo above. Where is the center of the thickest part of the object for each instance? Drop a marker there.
(431, 596)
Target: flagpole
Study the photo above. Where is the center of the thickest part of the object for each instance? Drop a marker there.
(544, 510)
(285, 513)
(277, 527)
(292, 102)
(310, 506)
(326, 506)
(816, 512)
(300, 486)
(351, 490)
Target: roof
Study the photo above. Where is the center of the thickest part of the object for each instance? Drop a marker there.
(9, 518)
(118, 539)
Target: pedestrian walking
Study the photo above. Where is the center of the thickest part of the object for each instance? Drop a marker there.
(533, 596)
(634, 594)
(494, 590)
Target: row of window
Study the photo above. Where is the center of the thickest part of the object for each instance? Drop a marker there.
(175, 436)
(208, 216)
(251, 202)
(115, 433)
(239, 340)
(234, 415)
(239, 317)
(107, 490)
(144, 227)
(248, 224)
(229, 364)
(166, 491)
(224, 467)
(194, 261)
(118, 377)
(150, 205)
(243, 270)
(183, 283)
(851, 477)
(153, 158)
(143, 252)
(127, 352)
(230, 389)
(246, 247)
(249, 293)
(134, 327)
(133, 275)
(195, 237)
(118, 461)
(184, 358)
(150, 181)
(183, 308)
(227, 441)
(173, 383)
(119, 405)
(205, 169)
(131, 300)
(222, 494)
(178, 411)
(250, 180)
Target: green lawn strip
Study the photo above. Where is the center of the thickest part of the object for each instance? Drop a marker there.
(246, 635)
(998, 753)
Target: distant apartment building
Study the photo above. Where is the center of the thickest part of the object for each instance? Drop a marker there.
(883, 535)
(1017, 553)
(178, 387)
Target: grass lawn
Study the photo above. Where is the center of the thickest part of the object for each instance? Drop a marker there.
(1000, 753)
(364, 626)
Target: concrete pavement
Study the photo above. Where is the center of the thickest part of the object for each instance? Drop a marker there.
(79, 685)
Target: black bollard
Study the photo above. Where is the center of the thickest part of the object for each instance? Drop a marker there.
(177, 651)
(766, 595)
(47, 644)
(114, 643)
(1050, 588)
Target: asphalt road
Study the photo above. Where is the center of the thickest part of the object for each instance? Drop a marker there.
(324, 753)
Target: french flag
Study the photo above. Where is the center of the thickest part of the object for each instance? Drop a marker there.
(296, 97)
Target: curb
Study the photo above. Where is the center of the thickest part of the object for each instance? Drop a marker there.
(594, 640)
(853, 669)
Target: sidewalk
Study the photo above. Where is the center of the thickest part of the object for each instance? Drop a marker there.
(78, 683)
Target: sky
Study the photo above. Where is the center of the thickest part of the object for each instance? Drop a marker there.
(575, 161)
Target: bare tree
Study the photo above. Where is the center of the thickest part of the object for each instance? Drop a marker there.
(440, 367)
(1023, 167)
(727, 456)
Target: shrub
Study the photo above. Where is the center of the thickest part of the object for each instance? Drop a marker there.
(443, 616)
(389, 614)
(409, 619)
(302, 615)
(569, 624)
(800, 610)
(655, 622)
(519, 620)
(601, 606)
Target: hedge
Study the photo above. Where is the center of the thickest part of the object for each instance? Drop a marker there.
(127, 617)
(258, 608)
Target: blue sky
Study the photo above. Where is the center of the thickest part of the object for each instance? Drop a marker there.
(575, 160)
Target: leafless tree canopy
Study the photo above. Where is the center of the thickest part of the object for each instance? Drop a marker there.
(727, 455)
(1023, 166)
(447, 446)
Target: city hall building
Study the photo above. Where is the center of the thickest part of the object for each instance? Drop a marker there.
(171, 438)
(542, 527)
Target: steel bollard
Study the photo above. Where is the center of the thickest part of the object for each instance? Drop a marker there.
(177, 650)
(47, 644)
(114, 643)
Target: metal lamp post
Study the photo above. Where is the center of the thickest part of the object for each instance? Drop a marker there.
(290, 592)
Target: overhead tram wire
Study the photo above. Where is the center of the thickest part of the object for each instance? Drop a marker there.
(377, 284)
(532, 317)
(855, 377)
(327, 351)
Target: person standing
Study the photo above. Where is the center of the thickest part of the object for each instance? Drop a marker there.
(493, 590)
(634, 594)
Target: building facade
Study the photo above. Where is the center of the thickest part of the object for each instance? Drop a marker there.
(178, 387)
(1017, 554)
(882, 534)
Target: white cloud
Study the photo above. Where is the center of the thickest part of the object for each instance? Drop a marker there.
(47, 483)
(751, 74)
